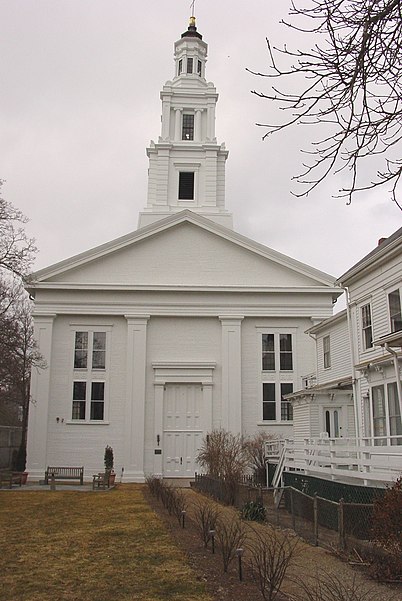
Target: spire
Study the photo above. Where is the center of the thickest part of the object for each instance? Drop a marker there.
(192, 29)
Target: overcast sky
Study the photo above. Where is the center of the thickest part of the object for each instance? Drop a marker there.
(79, 103)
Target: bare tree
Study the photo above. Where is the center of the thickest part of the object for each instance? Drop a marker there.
(17, 250)
(19, 354)
(352, 89)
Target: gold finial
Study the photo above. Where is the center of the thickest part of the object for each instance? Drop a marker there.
(192, 21)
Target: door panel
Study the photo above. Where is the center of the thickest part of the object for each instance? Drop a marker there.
(182, 429)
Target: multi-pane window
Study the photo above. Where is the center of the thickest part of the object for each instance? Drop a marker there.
(268, 401)
(180, 67)
(326, 343)
(395, 313)
(367, 328)
(394, 412)
(90, 350)
(88, 400)
(189, 65)
(277, 362)
(286, 406)
(277, 350)
(274, 406)
(88, 391)
(379, 417)
(186, 185)
(268, 352)
(286, 357)
(188, 127)
(199, 68)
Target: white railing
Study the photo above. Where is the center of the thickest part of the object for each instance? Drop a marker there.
(370, 460)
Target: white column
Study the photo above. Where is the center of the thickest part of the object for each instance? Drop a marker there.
(231, 372)
(177, 124)
(165, 119)
(211, 123)
(135, 397)
(197, 125)
(39, 407)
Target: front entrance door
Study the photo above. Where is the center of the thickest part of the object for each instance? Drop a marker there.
(183, 429)
(333, 421)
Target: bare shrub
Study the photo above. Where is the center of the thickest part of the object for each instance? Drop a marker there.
(330, 587)
(179, 503)
(154, 485)
(223, 455)
(387, 534)
(255, 450)
(205, 518)
(231, 535)
(272, 551)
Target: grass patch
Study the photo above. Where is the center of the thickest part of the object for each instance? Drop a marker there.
(75, 546)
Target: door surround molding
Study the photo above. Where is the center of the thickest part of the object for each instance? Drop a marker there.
(180, 372)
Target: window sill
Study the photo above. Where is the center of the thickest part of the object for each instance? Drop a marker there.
(274, 423)
(83, 422)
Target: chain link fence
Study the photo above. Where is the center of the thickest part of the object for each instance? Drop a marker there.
(320, 521)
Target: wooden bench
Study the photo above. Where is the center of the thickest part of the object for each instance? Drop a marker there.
(64, 473)
(101, 480)
(9, 478)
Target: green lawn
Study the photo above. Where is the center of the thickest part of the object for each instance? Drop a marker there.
(76, 546)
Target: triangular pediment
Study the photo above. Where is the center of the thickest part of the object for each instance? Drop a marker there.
(185, 250)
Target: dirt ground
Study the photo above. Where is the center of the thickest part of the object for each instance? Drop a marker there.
(227, 587)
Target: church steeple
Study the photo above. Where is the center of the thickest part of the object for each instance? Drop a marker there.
(186, 164)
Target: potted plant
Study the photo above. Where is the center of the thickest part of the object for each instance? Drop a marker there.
(109, 464)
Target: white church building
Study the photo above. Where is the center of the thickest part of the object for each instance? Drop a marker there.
(155, 338)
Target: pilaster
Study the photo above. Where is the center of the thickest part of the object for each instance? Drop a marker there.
(135, 397)
(231, 372)
(40, 392)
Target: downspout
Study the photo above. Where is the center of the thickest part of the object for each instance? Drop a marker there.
(353, 370)
(398, 379)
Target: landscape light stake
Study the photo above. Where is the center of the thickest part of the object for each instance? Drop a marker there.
(212, 535)
(183, 517)
(239, 553)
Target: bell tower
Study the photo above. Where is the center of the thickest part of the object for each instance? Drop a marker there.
(186, 164)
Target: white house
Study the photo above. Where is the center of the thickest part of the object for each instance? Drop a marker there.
(347, 417)
(181, 326)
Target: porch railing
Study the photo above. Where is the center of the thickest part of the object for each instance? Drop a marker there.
(368, 460)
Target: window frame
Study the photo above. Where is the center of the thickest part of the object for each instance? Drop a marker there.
(395, 317)
(187, 129)
(278, 352)
(96, 372)
(326, 351)
(182, 188)
(385, 421)
(281, 406)
(366, 326)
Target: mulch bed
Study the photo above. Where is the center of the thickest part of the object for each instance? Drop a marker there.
(208, 566)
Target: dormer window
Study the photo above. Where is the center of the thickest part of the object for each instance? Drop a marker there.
(180, 67)
(199, 68)
(188, 127)
(189, 65)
